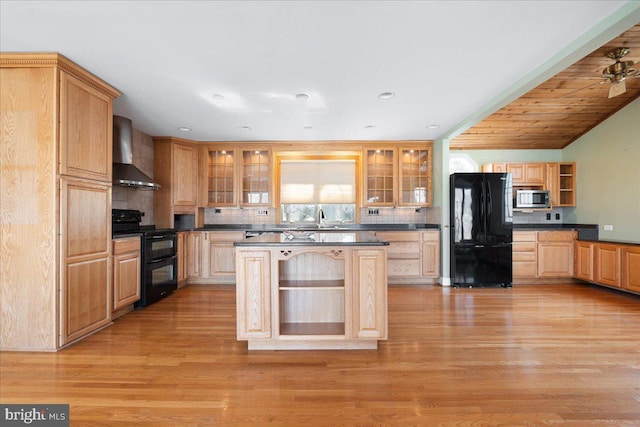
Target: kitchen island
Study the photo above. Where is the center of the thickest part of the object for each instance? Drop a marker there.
(311, 291)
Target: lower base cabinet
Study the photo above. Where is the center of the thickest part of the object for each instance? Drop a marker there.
(126, 272)
(412, 256)
(609, 264)
(311, 297)
(540, 255)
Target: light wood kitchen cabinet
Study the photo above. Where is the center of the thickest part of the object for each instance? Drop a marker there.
(610, 264)
(305, 297)
(555, 253)
(221, 259)
(253, 297)
(524, 254)
(561, 183)
(86, 275)
(256, 177)
(527, 174)
(214, 260)
(194, 254)
(607, 264)
(56, 165)
(557, 177)
(380, 171)
(220, 177)
(413, 257)
(431, 254)
(631, 268)
(398, 176)
(175, 168)
(542, 255)
(85, 129)
(494, 167)
(369, 290)
(181, 252)
(126, 263)
(415, 176)
(583, 264)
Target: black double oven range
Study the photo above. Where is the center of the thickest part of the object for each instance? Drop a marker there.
(159, 275)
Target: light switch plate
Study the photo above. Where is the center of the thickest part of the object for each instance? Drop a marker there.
(608, 228)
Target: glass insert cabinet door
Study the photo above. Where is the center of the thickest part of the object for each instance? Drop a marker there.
(256, 178)
(379, 177)
(415, 177)
(221, 182)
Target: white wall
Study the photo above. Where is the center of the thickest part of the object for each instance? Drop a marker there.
(608, 175)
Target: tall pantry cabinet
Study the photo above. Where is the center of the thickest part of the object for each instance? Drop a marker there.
(55, 187)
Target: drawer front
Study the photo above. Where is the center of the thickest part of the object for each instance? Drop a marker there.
(430, 236)
(524, 236)
(524, 247)
(128, 244)
(524, 256)
(403, 268)
(399, 236)
(404, 250)
(524, 269)
(225, 236)
(556, 236)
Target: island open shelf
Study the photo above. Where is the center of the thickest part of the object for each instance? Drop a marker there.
(327, 293)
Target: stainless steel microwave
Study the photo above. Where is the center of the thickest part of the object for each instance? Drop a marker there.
(532, 199)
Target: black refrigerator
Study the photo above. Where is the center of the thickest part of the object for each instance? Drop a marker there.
(481, 214)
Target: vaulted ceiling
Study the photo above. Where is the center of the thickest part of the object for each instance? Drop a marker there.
(560, 110)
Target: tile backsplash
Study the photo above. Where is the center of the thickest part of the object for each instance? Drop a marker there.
(553, 216)
(384, 216)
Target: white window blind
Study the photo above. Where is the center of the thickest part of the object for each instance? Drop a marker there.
(317, 181)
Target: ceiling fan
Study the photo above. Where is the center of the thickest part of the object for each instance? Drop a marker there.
(618, 72)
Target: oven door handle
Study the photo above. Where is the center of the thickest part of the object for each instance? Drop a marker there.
(155, 261)
(162, 236)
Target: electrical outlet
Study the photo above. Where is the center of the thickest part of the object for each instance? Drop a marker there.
(374, 212)
(262, 212)
(608, 228)
(558, 216)
(548, 217)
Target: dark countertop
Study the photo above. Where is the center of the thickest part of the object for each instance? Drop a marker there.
(328, 228)
(542, 226)
(612, 241)
(351, 238)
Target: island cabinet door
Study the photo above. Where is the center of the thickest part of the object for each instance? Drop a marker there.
(253, 294)
(369, 294)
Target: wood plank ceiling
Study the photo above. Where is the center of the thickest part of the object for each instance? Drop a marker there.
(560, 110)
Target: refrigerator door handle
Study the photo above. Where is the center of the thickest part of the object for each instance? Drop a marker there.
(482, 202)
(489, 203)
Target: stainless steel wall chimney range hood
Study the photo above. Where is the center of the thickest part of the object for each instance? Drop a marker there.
(124, 173)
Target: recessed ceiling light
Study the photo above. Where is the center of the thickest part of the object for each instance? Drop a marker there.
(184, 128)
(217, 97)
(386, 95)
(245, 128)
(433, 126)
(302, 96)
(308, 128)
(369, 126)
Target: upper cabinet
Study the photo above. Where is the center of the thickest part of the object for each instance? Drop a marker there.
(380, 177)
(398, 176)
(236, 176)
(220, 177)
(85, 130)
(256, 178)
(527, 174)
(175, 168)
(557, 177)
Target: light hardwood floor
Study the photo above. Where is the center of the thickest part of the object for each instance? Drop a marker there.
(547, 355)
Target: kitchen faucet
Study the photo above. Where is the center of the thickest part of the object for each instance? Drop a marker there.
(320, 221)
